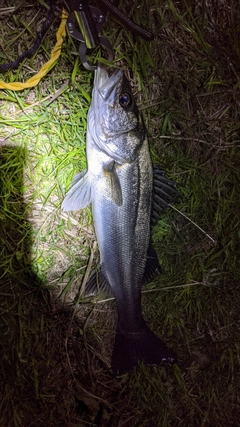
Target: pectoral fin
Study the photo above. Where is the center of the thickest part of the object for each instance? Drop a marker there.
(113, 183)
(79, 195)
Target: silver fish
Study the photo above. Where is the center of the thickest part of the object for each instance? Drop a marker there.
(119, 184)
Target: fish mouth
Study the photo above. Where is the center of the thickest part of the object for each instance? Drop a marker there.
(107, 86)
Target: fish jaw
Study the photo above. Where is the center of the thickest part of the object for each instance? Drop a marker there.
(113, 129)
(107, 86)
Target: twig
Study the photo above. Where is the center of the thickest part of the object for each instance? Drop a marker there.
(89, 266)
(147, 291)
(194, 223)
(51, 98)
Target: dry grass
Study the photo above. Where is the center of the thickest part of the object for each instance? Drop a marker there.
(55, 354)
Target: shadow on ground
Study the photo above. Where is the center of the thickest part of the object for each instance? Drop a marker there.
(39, 356)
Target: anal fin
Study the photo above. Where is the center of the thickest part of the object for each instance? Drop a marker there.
(98, 284)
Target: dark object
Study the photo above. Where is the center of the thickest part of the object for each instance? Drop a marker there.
(90, 21)
(40, 35)
(135, 28)
(120, 16)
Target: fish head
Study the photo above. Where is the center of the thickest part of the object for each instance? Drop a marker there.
(113, 116)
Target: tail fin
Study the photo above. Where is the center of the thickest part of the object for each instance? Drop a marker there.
(144, 346)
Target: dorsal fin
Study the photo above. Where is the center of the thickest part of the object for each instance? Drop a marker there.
(164, 193)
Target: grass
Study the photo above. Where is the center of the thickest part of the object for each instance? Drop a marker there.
(55, 356)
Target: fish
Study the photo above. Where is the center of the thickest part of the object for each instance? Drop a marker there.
(127, 194)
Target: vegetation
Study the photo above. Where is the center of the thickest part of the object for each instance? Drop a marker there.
(55, 345)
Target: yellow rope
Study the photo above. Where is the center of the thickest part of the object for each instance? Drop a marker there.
(34, 80)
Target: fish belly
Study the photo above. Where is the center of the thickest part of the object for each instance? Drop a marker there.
(123, 234)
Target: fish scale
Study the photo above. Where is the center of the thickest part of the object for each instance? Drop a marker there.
(119, 186)
(124, 247)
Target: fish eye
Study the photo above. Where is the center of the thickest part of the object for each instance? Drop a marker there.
(125, 100)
